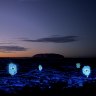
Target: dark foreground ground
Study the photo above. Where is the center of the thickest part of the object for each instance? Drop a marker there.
(58, 78)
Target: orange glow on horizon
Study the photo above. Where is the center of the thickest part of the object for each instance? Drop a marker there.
(29, 53)
(18, 54)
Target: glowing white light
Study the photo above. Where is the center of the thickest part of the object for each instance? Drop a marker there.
(78, 65)
(86, 70)
(12, 69)
(40, 67)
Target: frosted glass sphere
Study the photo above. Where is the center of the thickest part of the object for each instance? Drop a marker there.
(12, 68)
(86, 70)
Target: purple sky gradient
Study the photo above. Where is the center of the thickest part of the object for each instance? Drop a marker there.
(35, 19)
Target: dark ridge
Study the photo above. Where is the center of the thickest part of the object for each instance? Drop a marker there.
(49, 56)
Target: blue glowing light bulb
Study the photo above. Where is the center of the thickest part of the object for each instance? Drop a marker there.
(78, 65)
(40, 67)
(12, 68)
(86, 70)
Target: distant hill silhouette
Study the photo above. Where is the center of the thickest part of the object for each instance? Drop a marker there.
(48, 56)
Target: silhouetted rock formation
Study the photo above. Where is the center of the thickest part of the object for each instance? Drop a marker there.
(53, 59)
(49, 56)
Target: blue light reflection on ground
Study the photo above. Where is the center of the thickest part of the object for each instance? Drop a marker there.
(44, 79)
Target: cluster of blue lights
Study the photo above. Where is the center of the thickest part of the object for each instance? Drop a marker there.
(86, 70)
(47, 77)
(12, 69)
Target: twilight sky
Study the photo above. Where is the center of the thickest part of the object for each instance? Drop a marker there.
(66, 27)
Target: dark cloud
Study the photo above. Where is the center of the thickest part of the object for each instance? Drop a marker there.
(30, 0)
(6, 43)
(9, 49)
(55, 39)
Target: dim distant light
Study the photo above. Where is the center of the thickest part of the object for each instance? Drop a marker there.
(78, 65)
(40, 67)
